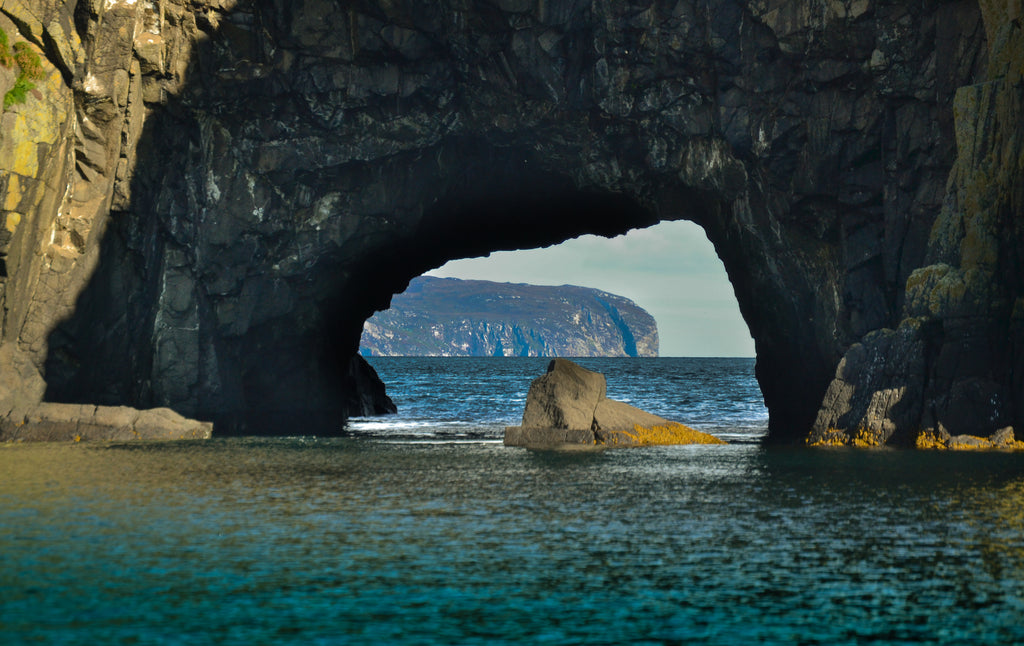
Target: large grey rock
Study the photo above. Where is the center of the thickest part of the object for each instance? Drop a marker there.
(564, 398)
(567, 408)
(877, 390)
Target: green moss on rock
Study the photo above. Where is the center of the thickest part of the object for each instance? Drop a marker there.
(19, 93)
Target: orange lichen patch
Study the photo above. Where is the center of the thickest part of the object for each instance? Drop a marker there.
(862, 439)
(866, 439)
(831, 437)
(671, 434)
(929, 440)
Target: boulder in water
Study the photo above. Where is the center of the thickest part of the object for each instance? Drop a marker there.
(568, 408)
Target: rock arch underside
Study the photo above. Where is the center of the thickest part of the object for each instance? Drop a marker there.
(203, 200)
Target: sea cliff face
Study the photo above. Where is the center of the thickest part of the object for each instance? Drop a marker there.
(954, 363)
(203, 200)
(450, 318)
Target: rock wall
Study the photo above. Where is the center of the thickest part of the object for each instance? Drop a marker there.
(224, 191)
(954, 365)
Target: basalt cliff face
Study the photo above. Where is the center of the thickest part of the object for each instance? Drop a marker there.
(451, 318)
(204, 200)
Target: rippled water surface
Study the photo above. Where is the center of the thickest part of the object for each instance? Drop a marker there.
(476, 398)
(446, 537)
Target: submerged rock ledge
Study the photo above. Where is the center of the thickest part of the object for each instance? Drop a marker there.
(50, 422)
(567, 408)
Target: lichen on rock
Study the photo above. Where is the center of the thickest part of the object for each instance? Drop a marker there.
(658, 435)
(1002, 440)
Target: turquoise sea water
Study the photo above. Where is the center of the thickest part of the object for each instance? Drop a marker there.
(440, 535)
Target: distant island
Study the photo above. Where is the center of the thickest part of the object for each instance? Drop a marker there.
(478, 318)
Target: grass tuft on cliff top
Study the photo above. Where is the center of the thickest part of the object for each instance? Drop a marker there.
(29, 62)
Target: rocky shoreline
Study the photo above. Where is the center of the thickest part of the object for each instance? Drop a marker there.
(25, 417)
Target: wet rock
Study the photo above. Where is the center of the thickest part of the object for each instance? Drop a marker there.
(548, 438)
(1003, 437)
(24, 417)
(366, 391)
(877, 390)
(51, 422)
(1002, 440)
(968, 443)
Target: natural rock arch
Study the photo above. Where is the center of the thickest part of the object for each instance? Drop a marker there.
(275, 170)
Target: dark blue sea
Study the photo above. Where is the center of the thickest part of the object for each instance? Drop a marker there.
(422, 528)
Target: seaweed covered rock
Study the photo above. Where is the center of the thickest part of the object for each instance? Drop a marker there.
(567, 407)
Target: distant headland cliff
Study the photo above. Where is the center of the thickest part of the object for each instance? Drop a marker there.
(202, 201)
(450, 317)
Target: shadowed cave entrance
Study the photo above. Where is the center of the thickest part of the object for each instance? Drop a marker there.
(299, 163)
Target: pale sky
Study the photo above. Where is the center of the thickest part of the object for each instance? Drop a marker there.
(670, 270)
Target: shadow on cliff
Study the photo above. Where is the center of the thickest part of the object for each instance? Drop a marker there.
(139, 334)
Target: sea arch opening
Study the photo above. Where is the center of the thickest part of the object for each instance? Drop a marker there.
(504, 200)
(588, 299)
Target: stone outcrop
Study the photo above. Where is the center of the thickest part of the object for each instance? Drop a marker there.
(25, 418)
(203, 200)
(567, 407)
(1002, 440)
(450, 317)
